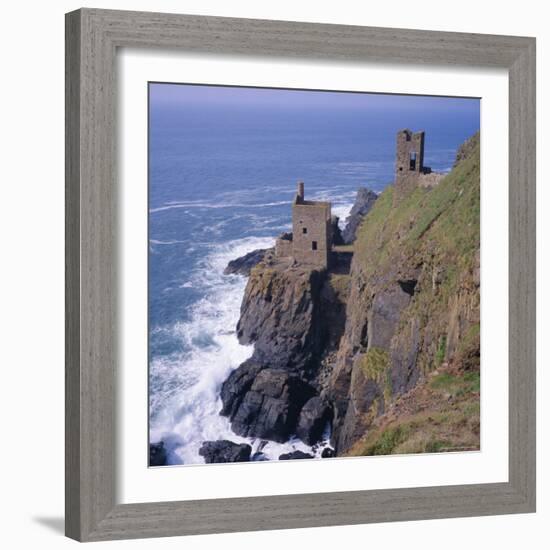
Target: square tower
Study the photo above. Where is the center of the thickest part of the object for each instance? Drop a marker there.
(311, 231)
(409, 161)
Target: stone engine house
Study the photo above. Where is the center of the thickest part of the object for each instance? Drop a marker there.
(409, 166)
(311, 240)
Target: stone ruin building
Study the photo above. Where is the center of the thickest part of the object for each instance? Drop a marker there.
(410, 171)
(310, 242)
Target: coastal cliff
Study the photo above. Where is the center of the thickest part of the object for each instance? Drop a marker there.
(294, 316)
(413, 308)
(367, 349)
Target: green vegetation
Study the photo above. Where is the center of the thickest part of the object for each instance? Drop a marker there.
(456, 385)
(388, 441)
(375, 363)
(433, 234)
(471, 337)
(429, 216)
(440, 354)
(437, 416)
(468, 348)
(430, 236)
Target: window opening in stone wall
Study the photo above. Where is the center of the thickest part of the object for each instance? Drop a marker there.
(313, 245)
(413, 161)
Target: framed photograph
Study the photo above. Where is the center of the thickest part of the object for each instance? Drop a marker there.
(300, 275)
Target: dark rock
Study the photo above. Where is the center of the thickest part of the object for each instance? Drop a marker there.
(385, 314)
(237, 386)
(363, 203)
(264, 402)
(336, 231)
(313, 420)
(225, 451)
(363, 394)
(404, 371)
(332, 310)
(157, 454)
(295, 455)
(408, 286)
(327, 452)
(243, 265)
(280, 316)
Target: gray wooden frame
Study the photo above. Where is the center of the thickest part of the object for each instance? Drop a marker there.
(92, 39)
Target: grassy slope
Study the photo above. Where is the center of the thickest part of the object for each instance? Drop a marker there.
(442, 414)
(445, 218)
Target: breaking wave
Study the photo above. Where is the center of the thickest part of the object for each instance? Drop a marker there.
(184, 387)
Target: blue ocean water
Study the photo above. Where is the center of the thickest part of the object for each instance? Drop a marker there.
(221, 179)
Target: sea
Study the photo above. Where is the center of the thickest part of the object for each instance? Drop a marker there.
(222, 175)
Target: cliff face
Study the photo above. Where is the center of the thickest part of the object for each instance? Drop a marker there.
(280, 315)
(363, 203)
(293, 316)
(414, 298)
(344, 347)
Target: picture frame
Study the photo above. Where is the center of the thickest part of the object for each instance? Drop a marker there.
(92, 39)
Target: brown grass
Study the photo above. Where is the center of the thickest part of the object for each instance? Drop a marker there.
(439, 415)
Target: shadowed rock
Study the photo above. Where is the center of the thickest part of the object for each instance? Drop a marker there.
(337, 238)
(264, 402)
(295, 455)
(314, 416)
(328, 453)
(225, 451)
(157, 454)
(363, 203)
(243, 265)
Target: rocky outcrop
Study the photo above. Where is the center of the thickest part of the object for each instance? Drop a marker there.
(327, 452)
(285, 314)
(364, 201)
(313, 420)
(295, 455)
(243, 265)
(336, 232)
(225, 451)
(157, 454)
(280, 316)
(265, 402)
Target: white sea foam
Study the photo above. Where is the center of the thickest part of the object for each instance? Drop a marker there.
(342, 211)
(214, 205)
(155, 241)
(185, 388)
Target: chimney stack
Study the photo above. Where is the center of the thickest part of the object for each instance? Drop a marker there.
(301, 190)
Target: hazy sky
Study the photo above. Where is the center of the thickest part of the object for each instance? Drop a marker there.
(185, 94)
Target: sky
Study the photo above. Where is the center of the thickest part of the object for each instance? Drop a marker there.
(231, 96)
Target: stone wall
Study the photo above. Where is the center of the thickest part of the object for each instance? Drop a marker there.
(409, 162)
(283, 247)
(311, 235)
